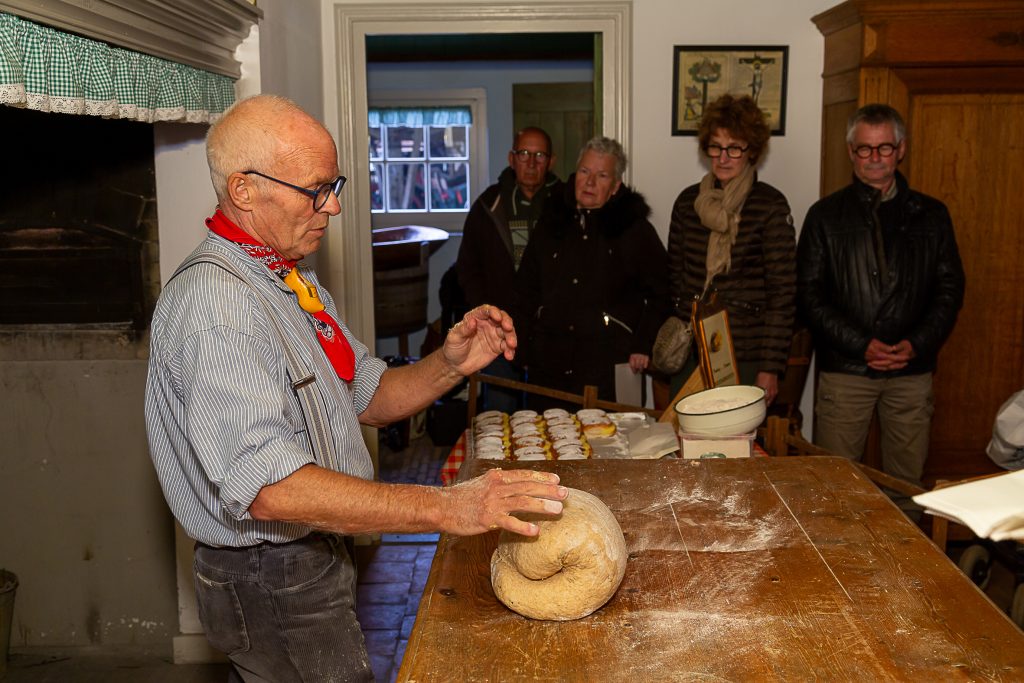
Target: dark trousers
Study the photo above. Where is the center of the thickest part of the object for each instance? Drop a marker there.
(499, 398)
(283, 612)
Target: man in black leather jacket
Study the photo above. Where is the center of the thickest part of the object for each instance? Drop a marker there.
(879, 283)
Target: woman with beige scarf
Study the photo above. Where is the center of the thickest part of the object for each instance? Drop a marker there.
(733, 234)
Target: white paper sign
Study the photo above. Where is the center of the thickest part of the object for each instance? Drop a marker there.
(629, 387)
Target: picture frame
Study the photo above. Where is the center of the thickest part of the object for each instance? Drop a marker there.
(715, 350)
(702, 73)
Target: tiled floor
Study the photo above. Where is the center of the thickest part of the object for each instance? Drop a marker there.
(390, 585)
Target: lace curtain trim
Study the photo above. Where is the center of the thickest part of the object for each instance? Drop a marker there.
(52, 71)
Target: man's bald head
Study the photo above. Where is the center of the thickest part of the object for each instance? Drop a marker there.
(255, 134)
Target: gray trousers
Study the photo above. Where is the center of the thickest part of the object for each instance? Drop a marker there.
(842, 416)
(283, 612)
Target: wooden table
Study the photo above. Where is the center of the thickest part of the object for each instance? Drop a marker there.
(791, 568)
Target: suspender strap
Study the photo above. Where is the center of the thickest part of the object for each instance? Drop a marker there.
(303, 379)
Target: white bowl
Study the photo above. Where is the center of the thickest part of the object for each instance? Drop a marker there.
(722, 411)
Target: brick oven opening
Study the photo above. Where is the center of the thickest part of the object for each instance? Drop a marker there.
(78, 226)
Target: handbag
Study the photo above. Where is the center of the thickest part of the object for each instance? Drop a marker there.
(672, 345)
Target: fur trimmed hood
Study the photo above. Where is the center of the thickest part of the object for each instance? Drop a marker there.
(625, 208)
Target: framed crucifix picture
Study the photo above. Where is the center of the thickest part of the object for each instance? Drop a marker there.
(702, 73)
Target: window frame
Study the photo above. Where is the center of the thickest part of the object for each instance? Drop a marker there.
(451, 220)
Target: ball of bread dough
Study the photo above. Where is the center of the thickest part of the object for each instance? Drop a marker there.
(569, 570)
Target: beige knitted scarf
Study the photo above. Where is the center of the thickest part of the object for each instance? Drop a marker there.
(719, 211)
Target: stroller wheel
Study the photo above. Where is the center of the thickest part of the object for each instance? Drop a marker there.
(1017, 608)
(977, 564)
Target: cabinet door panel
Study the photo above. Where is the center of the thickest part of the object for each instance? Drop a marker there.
(968, 151)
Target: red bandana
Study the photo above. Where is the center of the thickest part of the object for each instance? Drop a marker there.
(330, 336)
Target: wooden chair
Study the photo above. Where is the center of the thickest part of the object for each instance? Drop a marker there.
(792, 381)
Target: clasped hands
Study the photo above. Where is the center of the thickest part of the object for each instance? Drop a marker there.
(882, 356)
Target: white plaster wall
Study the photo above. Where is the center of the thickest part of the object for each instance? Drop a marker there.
(82, 521)
(184, 194)
(662, 164)
(290, 60)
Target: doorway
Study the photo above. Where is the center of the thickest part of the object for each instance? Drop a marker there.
(348, 258)
(474, 91)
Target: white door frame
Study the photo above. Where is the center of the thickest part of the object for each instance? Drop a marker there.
(346, 262)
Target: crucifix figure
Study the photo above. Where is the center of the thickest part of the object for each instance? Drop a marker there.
(757, 64)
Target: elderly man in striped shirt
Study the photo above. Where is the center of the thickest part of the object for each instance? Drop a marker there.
(255, 394)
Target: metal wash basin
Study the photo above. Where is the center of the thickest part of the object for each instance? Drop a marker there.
(403, 246)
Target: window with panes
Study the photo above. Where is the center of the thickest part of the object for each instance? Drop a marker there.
(419, 168)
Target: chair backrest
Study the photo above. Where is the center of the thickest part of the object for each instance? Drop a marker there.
(588, 399)
(798, 367)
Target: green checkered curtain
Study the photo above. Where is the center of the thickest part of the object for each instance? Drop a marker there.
(48, 70)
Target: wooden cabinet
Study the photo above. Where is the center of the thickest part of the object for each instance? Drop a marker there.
(955, 70)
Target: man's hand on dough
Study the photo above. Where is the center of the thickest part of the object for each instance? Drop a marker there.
(488, 502)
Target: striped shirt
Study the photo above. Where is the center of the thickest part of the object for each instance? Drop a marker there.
(222, 418)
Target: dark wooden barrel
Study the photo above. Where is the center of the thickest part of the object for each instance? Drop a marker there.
(400, 300)
(400, 275)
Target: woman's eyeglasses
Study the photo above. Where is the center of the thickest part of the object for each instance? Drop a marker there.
(732, 151)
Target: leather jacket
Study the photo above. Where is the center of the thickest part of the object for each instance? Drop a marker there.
(858, 279)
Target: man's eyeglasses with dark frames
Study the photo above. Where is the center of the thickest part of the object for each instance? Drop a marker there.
(319, 196)
(732, 151)
(525, 155)
(886, 149)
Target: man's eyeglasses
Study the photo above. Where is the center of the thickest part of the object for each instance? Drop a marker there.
(886, 149)
(732, 151)
(319, 196)
(525, 155)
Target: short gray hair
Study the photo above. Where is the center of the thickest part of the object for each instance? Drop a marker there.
(877, 115)
(246, 137)
(603, 145)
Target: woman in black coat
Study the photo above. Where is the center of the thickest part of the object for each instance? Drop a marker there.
(592, 287)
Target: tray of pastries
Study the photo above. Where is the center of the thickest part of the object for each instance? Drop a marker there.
(555, 434)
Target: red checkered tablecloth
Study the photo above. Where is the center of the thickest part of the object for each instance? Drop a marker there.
(450, 468)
